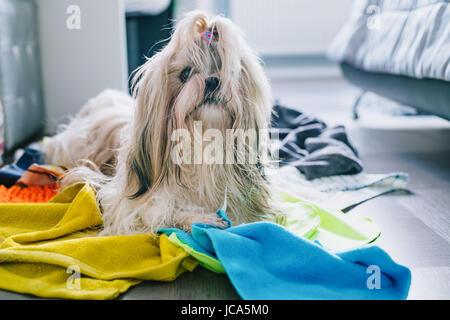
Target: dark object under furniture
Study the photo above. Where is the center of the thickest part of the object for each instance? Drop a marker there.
(146, 34)
(428, 95)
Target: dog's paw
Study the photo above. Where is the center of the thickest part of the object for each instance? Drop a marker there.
(186, 221)
(212, 220)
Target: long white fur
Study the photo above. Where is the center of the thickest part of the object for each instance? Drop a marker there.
(145, 190)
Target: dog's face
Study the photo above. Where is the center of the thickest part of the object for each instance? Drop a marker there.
(200, 87)
(206, 73)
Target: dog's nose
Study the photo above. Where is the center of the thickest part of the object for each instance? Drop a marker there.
(211, 84)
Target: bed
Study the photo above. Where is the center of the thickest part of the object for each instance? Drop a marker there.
(400, 50)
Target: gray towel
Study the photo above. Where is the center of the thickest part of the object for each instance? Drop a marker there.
(313, 148)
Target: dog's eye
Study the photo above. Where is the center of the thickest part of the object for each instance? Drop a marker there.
(184, 75)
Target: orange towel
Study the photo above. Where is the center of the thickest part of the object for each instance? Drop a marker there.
(35, 194)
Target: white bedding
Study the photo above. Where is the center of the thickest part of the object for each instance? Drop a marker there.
(406, 37)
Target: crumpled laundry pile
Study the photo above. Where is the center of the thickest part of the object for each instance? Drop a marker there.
(28, 180)
(51, 248)
(312, 147)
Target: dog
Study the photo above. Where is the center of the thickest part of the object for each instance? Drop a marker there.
(206, 74)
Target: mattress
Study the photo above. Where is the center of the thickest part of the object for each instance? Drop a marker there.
(403, 37)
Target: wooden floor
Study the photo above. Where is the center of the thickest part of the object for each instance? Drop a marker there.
(415, 224)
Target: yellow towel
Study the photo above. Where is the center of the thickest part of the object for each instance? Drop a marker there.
(52, 250)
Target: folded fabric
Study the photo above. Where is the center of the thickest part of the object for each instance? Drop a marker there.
(309, 145)
(40, 175)
(340, 191)
(32, 194)
(265, 261)
(53, 250)
(11, 173)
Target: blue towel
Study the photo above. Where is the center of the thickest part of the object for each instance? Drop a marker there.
(264, 261)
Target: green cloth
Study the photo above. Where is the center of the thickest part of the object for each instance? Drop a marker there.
(331, 228)
(205, 261)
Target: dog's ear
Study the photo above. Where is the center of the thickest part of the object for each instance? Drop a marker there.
(255, 82)
(149, 153)
(243, 75)
(242, 68)
(150, 131)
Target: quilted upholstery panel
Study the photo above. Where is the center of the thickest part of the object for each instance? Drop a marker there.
(20, 81)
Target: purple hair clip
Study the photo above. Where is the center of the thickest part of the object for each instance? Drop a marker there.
(208, 36)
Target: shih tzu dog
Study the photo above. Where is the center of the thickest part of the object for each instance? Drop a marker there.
(206, 80)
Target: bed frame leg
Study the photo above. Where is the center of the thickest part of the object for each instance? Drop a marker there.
(356, 104)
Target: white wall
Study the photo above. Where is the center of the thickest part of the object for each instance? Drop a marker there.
(290, 27)
(77, 64)
(184, 6)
